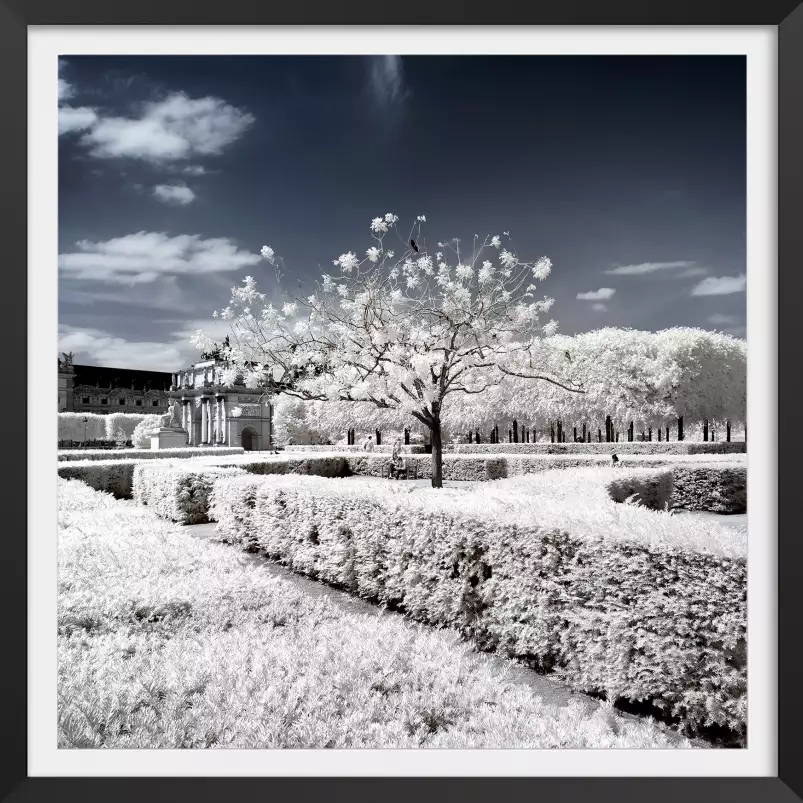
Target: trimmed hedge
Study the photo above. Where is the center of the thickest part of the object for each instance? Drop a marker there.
(328, 466)
(652, 490)
(177, 493)
(383, 448)
(711, 487)
(113, 476)
(146, 454)
(623, 447)
(108, 426)
(620, 613)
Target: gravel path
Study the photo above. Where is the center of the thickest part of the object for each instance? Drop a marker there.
(552, 691)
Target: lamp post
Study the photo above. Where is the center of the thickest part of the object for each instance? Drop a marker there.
(86, 421)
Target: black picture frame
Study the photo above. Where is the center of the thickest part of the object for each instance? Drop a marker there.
(16, 15)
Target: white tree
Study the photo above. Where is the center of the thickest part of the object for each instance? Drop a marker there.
(404, 333)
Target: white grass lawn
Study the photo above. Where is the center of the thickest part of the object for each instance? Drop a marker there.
(169, 640)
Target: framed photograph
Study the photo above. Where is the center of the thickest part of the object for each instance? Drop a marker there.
(403, 401)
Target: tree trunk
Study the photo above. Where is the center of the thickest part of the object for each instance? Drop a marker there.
(660, 434)
(608, 429)
(437, 452)
(515, 431)
(599, 436)
(705, 429)
(667, 434)
(406, 437)
(584, 433)
(728, 432)
(649, 434)
(680, 428)
(560, 431)
(575, 434)
(378, 438)
(630, 432)
(510, 436)
(617, 437)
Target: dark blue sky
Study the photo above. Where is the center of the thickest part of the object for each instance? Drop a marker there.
(601, 163)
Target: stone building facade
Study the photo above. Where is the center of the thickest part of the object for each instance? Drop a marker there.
(224, 415)
(92, 389)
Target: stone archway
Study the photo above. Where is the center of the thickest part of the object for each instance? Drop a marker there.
(248, 439)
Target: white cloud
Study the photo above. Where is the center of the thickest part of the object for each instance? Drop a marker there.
(143, 257)
(721, 320)
(599, 307)
(596, 295)
(65, 89)
(96, 346)
(76, 119)
(721, 286)
(174, 194)
(194, 170)
(647, 267)
(695, 271)
(176, 128)
(387, 81)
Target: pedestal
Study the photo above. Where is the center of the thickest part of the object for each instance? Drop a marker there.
(165, 438)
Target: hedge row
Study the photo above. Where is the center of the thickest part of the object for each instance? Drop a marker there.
(146, 454)
(626, 447)
(715, 488)
(475, 468)
(112, 476)
(113, 426)
(177, 493)
(623, 614)
(383, 448)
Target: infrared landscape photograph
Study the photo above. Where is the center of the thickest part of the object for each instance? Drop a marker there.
(402, 402)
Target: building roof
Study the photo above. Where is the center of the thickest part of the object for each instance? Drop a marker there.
(102, 377)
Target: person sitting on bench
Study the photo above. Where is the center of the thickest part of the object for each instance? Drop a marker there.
(398, 464)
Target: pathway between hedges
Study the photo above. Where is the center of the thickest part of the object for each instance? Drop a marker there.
(552, 691)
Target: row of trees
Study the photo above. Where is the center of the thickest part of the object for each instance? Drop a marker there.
(455, 340)
(640, 384)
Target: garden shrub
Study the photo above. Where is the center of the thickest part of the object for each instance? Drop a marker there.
(653, 490)
(72, 428)
(146, 454)
(329, 466)
(177, 493)
(342, 447)
(713, 487)
(113, 476)
(141, 436)
(618, 600)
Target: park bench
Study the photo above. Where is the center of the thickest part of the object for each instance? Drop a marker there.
(409, 472)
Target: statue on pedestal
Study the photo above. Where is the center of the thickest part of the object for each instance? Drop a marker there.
(170, 419)
(171, 433)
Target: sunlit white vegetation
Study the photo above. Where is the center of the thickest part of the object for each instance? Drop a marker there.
(170, 641)
(401, 328)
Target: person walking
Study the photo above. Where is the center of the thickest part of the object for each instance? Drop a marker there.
(368, 444)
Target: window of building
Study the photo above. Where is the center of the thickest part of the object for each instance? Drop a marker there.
(138, 402)
(155, 403)
(121, 401)
(104, 400)
(85, 400)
